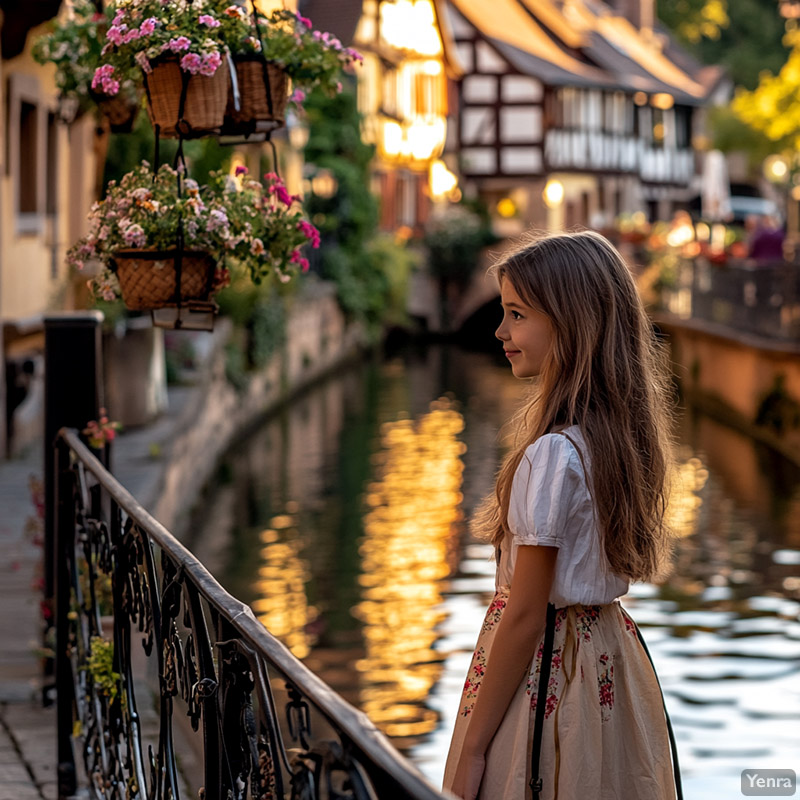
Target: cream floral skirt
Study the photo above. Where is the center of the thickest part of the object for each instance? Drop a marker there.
(605, 734)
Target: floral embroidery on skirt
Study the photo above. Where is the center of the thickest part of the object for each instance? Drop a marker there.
(601, 687)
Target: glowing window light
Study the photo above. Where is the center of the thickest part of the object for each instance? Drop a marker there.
(410, 26)
(392, 138)
(426, 140)
(442, 181)
(553, 193)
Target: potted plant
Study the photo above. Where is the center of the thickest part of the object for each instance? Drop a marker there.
(74, 46)
(276, 49)
(181, 49)
(164, 240)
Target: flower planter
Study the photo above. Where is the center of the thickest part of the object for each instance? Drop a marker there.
(121, 110)
(148, 278)
(263, 94)
(183, 104)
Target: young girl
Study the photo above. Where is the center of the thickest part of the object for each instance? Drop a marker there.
(578, 512)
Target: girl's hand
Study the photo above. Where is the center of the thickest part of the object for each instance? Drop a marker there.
(469, 772)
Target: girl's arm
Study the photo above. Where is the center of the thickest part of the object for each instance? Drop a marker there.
(519, 631)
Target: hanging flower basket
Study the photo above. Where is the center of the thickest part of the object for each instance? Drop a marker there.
(180, 103)
(168, 245)
(120, 110)
(263, 94)
(148, 279)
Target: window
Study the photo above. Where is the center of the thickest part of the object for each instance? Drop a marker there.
(51, 199)
(27, 138)
(27, 177)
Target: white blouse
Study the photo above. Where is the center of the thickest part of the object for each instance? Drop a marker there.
(551, 505)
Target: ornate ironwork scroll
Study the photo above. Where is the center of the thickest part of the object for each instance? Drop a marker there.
(152, 653)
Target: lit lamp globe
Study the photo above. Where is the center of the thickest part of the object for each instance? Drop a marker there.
(553, 193)
(776, 169)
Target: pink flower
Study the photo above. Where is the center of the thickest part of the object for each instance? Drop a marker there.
(241, 170)
(210, 64)
(181, 43)
(297, 258)
(143, 61)
(191, 63)
(103, 80)
(130, 36)
(148, 26)
(135, 236)
(310, 232)
(272, 177)
(116, 33)
(298, 96)
(305, 21)
(279, 190)
(207, 19)
(354, 54)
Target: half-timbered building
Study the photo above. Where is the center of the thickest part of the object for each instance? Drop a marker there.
(574, 111)
(403, 93)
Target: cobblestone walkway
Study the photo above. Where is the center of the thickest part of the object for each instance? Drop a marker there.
(27, 731)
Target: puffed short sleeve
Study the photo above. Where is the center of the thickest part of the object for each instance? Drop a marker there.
(548, 487)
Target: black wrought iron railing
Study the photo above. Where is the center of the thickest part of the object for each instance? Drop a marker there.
(142, 625)
(758, 299)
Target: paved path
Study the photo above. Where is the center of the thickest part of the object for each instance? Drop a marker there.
(27, 730)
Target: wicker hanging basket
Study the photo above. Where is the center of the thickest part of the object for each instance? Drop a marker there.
(263, 94)
(204, 103)
(147, 278)
(120, 110)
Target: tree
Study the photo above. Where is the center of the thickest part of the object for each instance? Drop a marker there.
(773, 108)
(744, 36)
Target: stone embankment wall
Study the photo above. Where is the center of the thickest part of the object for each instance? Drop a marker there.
(746, 381)
(214, 413)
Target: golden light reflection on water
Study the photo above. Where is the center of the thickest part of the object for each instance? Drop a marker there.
(414, 507)
(282, 605)
(689, 478)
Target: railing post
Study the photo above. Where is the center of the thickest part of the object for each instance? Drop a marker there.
(64, 539)
(73, 396)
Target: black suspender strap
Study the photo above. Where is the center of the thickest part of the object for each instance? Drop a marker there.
(541, 700)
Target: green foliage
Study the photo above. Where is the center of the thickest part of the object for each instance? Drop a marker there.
(348, 221)
(773, 108)
(100, 665)
(694, 20)
(259, 314)
(751, 42)
(454, 236)
(397, 262)
(127, 150)
(731, 133)
(267, 329)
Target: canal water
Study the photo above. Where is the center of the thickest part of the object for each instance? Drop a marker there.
(342, 521)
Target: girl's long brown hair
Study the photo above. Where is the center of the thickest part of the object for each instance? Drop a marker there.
(605, 373)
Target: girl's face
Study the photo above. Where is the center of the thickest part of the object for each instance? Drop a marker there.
(526, 333)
